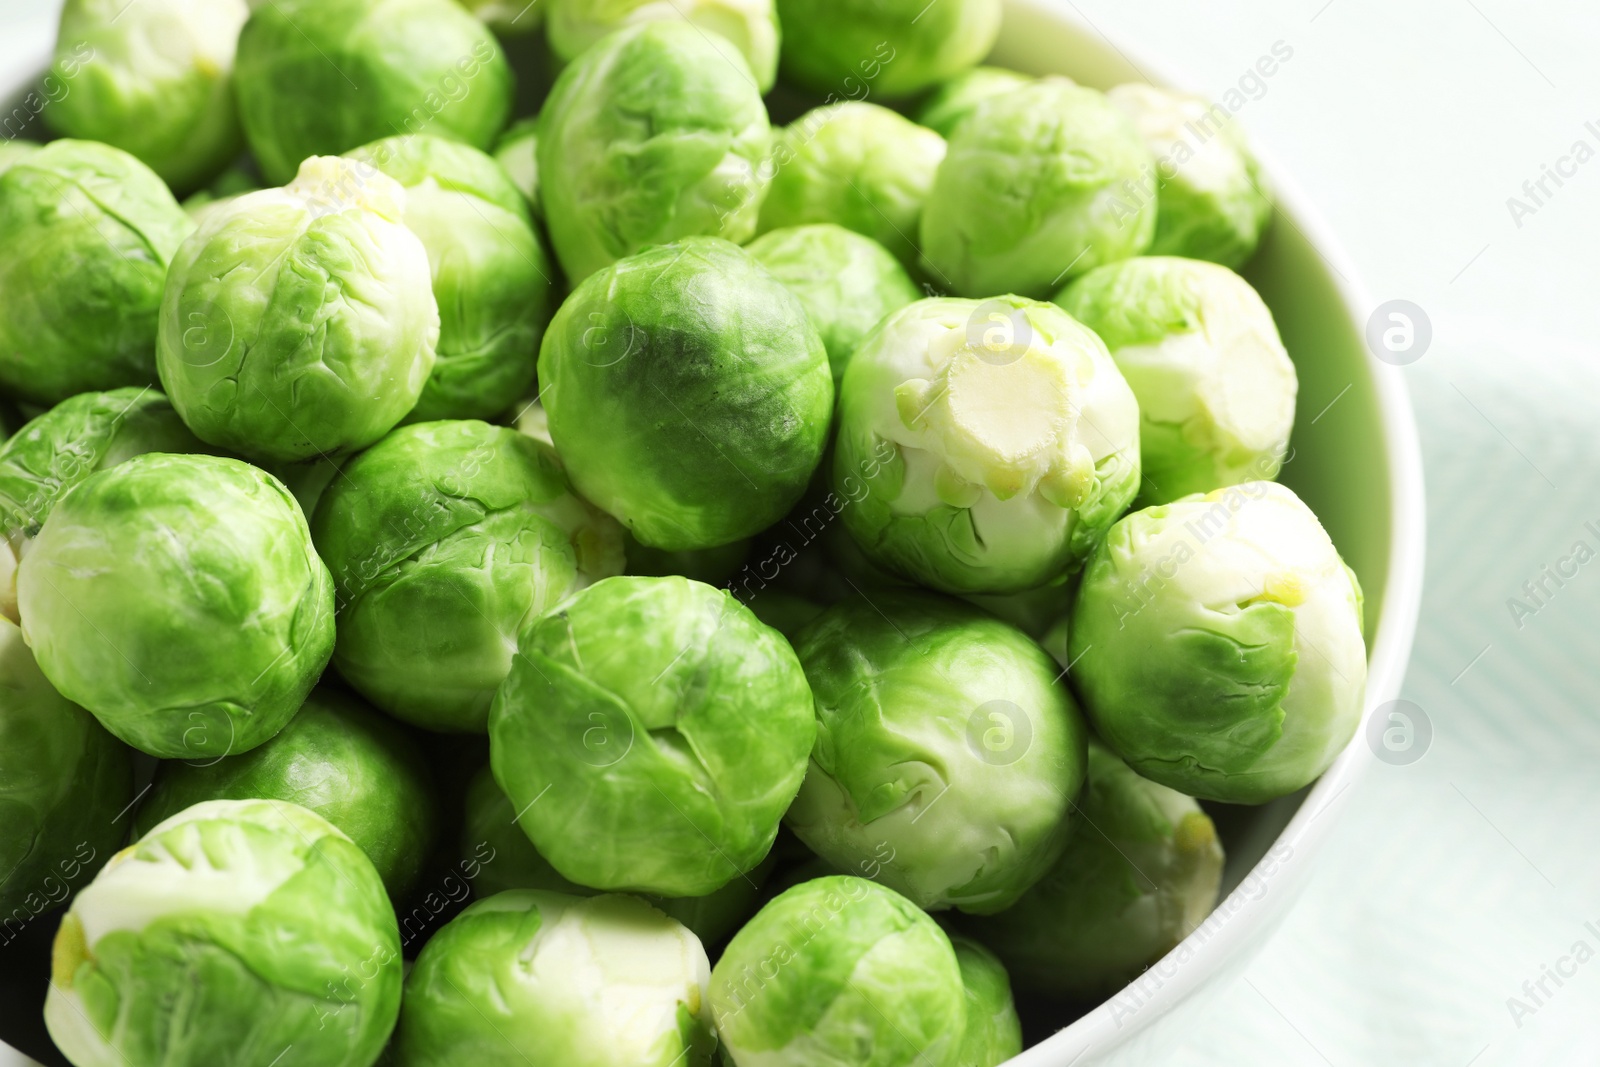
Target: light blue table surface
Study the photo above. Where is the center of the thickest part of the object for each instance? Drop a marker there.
(1451, 882)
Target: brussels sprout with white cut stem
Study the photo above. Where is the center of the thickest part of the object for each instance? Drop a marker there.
(159, 83)
(749, 27)
(1199, 348)
(838, 971)
(445, 540)
(320, 77)
(558, 981)
(891, 48)
(300, 322)
(960, 96)
(72, 212)
(846, 282)
(338, 758)
(1040, 185)
(491, 278)
(651, 734)
(1139, 875)
(1217, 644)
(652, 135)
(947, 754)
(1211, 200)
(993, 1032)
(1012, 444)
(233, 932)
(857, 165)
(687, 393)
(64, 782)
(208, 637)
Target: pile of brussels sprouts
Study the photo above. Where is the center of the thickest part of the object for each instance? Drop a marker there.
(846, 550)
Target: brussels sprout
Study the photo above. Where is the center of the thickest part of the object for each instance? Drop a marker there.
(11, 151)
(957, 98)
(509, 861)
(651, 135)
(1140, 874)
(491, 278)
(846, 282)
(445, 539)
(159, 84)
(86, 233)
(918, 697)
(749, 26)
(985, 447)
(581, 982)
(858, 165)
(73, 440)
(890, 48)
(207, 637)
(517, 152)
(839, 970)
(1216, 389)
(1218, 646)
(320, 77)
(64, 783)
(336, 757)
(230, 933)
(993, 1032)
(687, 392)
(712, 566)
(1212, 204)
(662, 730)
(300, 322)
(1041, 184)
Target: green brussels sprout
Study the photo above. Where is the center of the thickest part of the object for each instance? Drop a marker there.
(985, 447)
(207, 637)
(662, 730)
(76, 438)
(86, 233)
(1211, 202)
(445, 540)
(160, 83)
(64, 783)
(230, 933)
(517, 152)
(889, 48)
(846, 282)
(602, 981)
(12, 151)
(750, 27)
(1197, 345)
(1040, 184)
(336, 757)
(712, 566)
(687, 392)
(993, 1032)
(651, 135)
(320, 77)
(300, 322)
(957, 98)
(839, 970)
(1217, 643)
(512, 862)
(857, 165)
(918, 697)
(491, 277)
(1141, 872)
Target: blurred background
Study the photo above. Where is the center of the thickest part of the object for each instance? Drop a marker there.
(1456, 882)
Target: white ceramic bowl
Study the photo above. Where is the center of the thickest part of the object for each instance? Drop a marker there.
(1358, 466)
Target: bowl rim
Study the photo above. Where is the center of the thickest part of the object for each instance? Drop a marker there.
(1196, 960)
